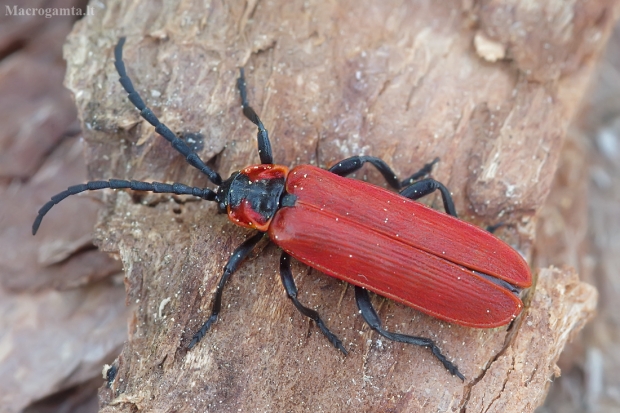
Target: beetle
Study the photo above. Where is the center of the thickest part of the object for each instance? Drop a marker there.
(375, 239)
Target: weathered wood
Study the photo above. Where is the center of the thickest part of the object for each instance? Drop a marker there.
(403, 81)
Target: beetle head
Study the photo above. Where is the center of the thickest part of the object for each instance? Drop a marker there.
(223, 194)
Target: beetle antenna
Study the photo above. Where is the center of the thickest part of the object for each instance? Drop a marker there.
(178, 144)
(156, 187)
(264, 146)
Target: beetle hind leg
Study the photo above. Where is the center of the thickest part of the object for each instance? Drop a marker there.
(372, 318)
(291, 291)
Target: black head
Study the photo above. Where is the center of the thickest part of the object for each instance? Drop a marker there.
(222, 196)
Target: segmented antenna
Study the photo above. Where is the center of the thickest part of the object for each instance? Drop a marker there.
(157, 187)
(178, 144)
(264, 146)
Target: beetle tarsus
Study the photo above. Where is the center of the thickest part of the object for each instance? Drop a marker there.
(424, 171)
(371, 317)
(203, 331)
(446, 363)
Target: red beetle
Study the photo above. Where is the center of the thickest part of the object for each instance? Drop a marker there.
(375, 239)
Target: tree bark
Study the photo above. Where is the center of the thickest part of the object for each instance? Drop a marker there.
(488, 87)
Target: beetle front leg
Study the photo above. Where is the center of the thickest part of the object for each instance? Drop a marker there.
(231, 266)
(291, 291)
(371, 317)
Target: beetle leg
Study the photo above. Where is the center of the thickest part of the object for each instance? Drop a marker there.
(178, 144)
(231, 266)
(425, 170)
(412, 190)
(372, 318)
(264, 146)
(291, 291)
(424, 187)
(495, 227)
(352, 164)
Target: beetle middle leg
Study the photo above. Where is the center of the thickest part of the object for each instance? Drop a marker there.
(231, 266)
(291, 291)
(370, 316)
(426, 186)
(410, 188)
(354, 163)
